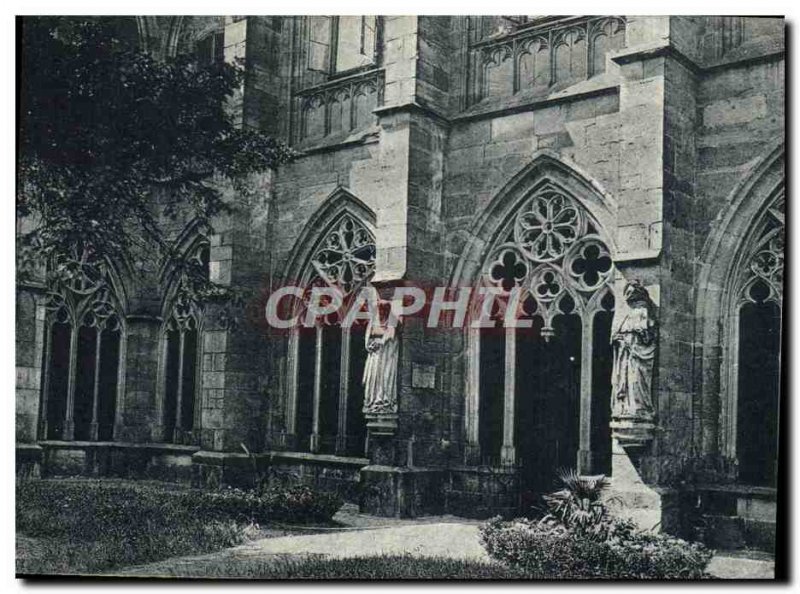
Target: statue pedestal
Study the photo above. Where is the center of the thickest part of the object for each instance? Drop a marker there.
(628, 496)
(632, 433)
(381, 442)
(401, 492)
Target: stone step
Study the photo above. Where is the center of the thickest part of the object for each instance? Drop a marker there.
(735, 533)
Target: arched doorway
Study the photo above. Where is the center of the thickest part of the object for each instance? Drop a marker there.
(539, 396)
(755, 358)
(739, 307)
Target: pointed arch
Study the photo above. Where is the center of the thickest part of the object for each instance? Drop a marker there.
(548, 231)
(730, 243)
(179, 378)
(546, 167)
(84, 351)
(325, 363)
(339, 202)
(190, 241)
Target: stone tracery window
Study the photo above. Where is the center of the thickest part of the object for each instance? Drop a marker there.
(84, 331)
(553, 251)
(755, 327)
(532, 379)
(340, 43)
(181, 356)
(327, 383)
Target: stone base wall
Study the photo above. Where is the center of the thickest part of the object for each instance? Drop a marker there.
(482, 492)
(104, 459)
(736, 517)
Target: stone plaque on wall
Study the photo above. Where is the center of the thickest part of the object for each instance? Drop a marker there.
(423, 376)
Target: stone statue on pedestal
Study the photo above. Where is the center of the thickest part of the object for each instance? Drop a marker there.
(633, 338)
(380, 370)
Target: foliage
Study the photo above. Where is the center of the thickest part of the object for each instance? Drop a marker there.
(555, 552)
(578, 538)
(578, 505)
(113, 144)
(294, 504)
(94, 525)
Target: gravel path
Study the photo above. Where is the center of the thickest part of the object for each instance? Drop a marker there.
(364, 535)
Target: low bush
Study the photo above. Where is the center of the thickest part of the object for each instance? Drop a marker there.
(549, 551)
(88, 526)
(299, 504)
(578, 538)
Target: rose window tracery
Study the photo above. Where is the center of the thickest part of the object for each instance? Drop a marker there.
(549, 224)
(346, 258)
(554, 252)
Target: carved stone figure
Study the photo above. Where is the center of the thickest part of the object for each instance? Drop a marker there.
(633, 338)
(380, 370)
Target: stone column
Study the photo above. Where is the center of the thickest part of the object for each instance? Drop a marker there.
(508, 453)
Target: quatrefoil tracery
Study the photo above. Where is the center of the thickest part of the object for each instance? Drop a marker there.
(508, 270)
(554, 255)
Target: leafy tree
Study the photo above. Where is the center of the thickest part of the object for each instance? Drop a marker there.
(114, 143)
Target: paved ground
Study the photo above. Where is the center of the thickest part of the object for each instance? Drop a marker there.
(734, 566)
(444, 536)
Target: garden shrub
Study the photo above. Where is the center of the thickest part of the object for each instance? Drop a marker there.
(578, 538)
(298, 504)
(549, 551)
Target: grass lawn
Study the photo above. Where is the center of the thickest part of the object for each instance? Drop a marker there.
(382, 567)
(73, 526)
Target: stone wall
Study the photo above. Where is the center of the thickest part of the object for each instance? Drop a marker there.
(662, 133)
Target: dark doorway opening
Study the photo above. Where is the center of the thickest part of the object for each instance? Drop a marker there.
(547, 402)
(356, 427)
(602, 362)
(58, 379)
(108, 380)
(84, 382)
(330, 387)
(306, 354)
(758, 391)
(492, 392)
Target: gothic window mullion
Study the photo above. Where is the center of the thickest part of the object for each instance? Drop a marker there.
(315, 423)
(474, 395)
(586, 395)
(344, 396)
(179, 392)
(69, 412)
(94, 427)
(508, 452)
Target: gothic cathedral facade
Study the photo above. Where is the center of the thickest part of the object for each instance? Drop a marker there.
(572, 156)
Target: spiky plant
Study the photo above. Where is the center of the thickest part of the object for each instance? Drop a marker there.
(578, 505)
